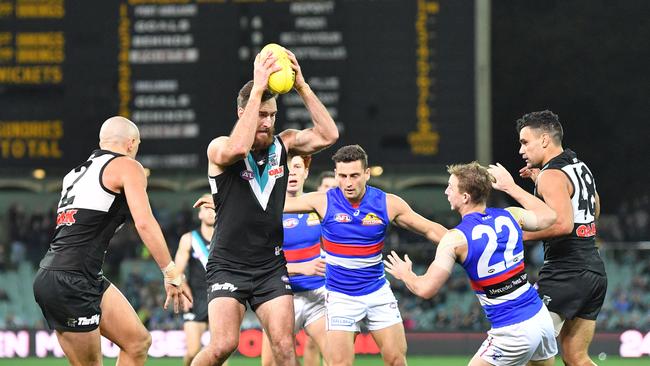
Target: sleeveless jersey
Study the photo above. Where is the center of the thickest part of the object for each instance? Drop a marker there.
(353, 238)
(495, 266)
(87, 217)
(196, 264)
(249, 200)
(301, 244)
(578, 249)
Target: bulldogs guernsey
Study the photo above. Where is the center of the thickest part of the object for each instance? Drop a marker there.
(354, 239)
(301, 244)
(495, 266)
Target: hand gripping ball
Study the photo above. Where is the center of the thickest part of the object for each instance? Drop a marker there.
(281, 81)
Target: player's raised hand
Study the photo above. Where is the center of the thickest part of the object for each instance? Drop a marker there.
(300, 79)
(502, 178)
(204, 201)
(396, 266)
(531, 173)
(263, 67)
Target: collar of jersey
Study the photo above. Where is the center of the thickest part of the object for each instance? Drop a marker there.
(262, 178)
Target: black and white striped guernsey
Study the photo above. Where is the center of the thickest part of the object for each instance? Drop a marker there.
(88, 215)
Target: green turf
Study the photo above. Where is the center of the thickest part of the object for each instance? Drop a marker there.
(362, 361)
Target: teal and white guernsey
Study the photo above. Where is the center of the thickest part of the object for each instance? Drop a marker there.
(249, 196)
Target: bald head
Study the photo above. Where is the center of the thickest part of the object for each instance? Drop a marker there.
(118, 130)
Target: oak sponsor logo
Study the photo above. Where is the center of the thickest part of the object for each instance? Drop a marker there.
(277, 172)
(66, 218)
(586, 231)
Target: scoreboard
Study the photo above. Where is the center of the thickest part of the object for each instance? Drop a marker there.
(396, 75)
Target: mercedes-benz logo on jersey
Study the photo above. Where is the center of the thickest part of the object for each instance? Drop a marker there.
(246, 174)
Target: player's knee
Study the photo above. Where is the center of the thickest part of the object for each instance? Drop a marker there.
(284, 346)
(395, 359)
(222, 349)
(139, 347)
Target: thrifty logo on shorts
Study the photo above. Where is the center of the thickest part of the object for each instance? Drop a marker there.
(82, 320)
(226, 286)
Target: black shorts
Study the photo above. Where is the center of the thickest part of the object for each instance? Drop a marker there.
(572, 293)
(199, 310)
(250, 285)
(69, 301)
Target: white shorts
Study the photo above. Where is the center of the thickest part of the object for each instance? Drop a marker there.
(378, 310)
(308, 306)
(516, 344)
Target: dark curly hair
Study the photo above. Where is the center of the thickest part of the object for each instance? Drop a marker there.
(546, 121)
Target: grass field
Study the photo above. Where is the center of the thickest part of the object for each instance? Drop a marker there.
(362, 361)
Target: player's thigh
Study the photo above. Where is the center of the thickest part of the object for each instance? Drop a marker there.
(339, 346)
(478, 361)
(576, 335)
(193, 333)
(317, 333)
(81, 348)
(225, 316)
(119, 322)
(277, 317)
(391, 340)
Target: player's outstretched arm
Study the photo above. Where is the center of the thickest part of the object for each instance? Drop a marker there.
(324, 133)
(554, 187)
(403, 216)
(310, 202)
(429, 284)
(538, 215)
(133, 181)
(226, 150)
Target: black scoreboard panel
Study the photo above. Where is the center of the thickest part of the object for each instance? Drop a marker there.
(397, 75)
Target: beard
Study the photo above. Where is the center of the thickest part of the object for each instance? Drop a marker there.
(264, 142)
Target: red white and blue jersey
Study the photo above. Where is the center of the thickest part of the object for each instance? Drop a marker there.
(353, 237)
(495, 266)
(301, 244)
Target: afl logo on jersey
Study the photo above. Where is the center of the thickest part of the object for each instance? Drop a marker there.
(290, 223)
(246, 174)
(342, 217)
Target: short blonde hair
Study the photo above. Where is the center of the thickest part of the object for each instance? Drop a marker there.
(474, 179)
